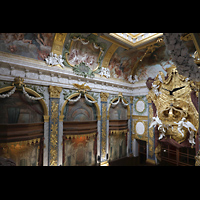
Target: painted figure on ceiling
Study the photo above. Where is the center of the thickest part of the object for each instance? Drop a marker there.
(32, 45)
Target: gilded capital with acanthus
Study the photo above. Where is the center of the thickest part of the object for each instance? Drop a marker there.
(54, 91)
(104, 96)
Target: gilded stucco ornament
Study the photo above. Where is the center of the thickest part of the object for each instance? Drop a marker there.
(176, 114)
(55, 91)
(83, 65)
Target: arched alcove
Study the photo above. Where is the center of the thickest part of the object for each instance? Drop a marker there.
(118, 128)
(22, 127)
(79, 131)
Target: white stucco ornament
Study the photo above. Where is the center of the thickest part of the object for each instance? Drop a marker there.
(105, 72)
(131, 80)
(54, 59)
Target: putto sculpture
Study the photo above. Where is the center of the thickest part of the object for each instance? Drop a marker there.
(54, 59)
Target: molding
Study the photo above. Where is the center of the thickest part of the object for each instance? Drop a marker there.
(58, 43)
(37, 72)
(136, 43)
(113, 41)
(139, 117)
(108, 55)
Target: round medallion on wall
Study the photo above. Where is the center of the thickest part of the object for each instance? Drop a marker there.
(140, 106)
(140, 128)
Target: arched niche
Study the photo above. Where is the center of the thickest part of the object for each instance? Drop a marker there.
(118, 116)
(79, 130)
(22, 127)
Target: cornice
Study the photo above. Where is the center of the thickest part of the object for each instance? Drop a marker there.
(37, 72)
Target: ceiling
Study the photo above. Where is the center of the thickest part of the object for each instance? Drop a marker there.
(134, 40)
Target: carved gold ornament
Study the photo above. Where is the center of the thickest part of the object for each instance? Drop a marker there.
(174, 105)
(104, 96)
(81, 87)
(55, 91)
(140, 128)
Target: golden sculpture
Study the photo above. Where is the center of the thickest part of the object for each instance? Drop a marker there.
(55, 91)
(54, 134)
(82, 87)
(18, 82)
(175, 109)
(104, 96)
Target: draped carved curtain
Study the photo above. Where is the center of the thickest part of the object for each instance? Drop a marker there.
(21, 130)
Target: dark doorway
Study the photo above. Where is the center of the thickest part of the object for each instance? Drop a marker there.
(142, 151)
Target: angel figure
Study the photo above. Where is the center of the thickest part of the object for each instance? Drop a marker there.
(49, 59)
(157, 121)
(187, 125)
(85, 59)
(191, 138)
(155, 89)
(60, 60)
(74, 55)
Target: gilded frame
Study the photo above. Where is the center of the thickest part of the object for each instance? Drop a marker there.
(67, 53)
(136, 106)
(143, 136)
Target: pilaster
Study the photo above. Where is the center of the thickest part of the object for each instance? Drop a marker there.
(151, 136)
(130, 151)
(104, 130)
(54, 92)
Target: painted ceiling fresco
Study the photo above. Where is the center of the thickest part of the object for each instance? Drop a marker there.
(32, 45)
(91, 49)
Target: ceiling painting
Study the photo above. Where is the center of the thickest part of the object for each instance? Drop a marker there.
(88, 54)
(32, 45)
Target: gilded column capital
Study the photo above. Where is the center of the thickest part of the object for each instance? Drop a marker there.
(54, 91)
(131, 99)
(104, 96)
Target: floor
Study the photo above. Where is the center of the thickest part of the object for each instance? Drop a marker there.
(130, 161)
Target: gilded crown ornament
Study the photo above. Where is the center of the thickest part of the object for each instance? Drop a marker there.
(18, 82)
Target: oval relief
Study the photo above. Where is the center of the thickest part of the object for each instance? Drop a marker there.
(140, 106)
(140, 128)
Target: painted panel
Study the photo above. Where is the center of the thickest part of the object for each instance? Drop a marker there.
(32, 45)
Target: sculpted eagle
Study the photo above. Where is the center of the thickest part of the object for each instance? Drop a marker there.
(82, 87)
